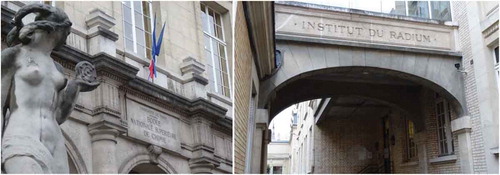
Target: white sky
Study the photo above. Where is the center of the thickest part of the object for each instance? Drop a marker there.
(282, 124)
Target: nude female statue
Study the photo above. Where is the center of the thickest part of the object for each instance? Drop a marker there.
(36, 97)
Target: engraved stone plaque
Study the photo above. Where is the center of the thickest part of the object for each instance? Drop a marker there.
(341, 26)
(152, 126)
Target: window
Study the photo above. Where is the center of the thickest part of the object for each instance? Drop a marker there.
(52, 3)
(445, 137)
(277, 170)
(410, 135)
(497, 67)
(137, 27)
(440, 10)
(418, 9)
(215, 51)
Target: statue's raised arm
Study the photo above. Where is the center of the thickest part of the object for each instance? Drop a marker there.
(36, 97)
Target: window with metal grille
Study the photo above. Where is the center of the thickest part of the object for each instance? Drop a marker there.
(137, 27)
(215, 50)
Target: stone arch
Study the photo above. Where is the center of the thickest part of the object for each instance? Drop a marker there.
(303, 60)
(143, 158)
(74, 154)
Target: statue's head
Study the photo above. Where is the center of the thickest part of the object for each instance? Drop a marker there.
(49, 19)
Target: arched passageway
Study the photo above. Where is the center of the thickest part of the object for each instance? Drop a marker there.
(312, 71)
(368, 120)
(147, 168)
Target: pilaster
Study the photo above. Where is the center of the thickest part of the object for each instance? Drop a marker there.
(261, 139)
(100, 38)
(194, 82)
(462, 128)
(103, 137)
(203, 160)
(420, 141)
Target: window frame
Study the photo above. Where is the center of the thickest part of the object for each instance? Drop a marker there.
(409, 149)
(429, 6)
(134, 30)
(215, 86)
(496, 65)
(450, 150)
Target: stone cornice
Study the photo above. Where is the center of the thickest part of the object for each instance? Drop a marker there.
(106, 62)
(7, 16)
(104, 32)
(193, 107)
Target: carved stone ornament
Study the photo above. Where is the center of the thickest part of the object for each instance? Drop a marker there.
(36, 97)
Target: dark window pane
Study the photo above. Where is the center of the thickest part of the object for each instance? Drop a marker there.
(496, 55)
(219, 33)
(145, 9)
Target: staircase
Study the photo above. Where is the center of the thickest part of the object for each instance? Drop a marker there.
(372, 169)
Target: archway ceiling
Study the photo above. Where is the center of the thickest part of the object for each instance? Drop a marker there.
(354, 93)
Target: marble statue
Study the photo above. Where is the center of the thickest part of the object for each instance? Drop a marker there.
(36, 97)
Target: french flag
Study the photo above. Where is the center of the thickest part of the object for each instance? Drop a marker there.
(155, 50)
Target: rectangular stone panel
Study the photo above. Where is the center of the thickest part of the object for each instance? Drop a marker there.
(345, 26)
(152, 126)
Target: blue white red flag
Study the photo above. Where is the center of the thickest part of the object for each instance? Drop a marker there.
(155, 49)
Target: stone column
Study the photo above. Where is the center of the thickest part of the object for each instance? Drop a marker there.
(103, 140)
(420, 141)
(462, 128)
(100, 38)
(194, 82)
(259, 147)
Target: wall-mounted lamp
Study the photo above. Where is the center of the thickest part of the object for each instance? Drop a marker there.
(460, 69)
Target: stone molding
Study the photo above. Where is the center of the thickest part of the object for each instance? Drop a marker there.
(106, 127)
(203, 165)
(101, 31)
(154, 153)
(190, 64)
(461, 125)
(114, 67)
(104, 134)
(443, 159)
(296, 38)
(97, 17)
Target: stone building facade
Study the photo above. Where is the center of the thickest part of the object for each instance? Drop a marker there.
(278, 157)
(180, 122)
(408, 89)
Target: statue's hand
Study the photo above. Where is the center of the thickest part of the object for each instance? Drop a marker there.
(86, 76)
